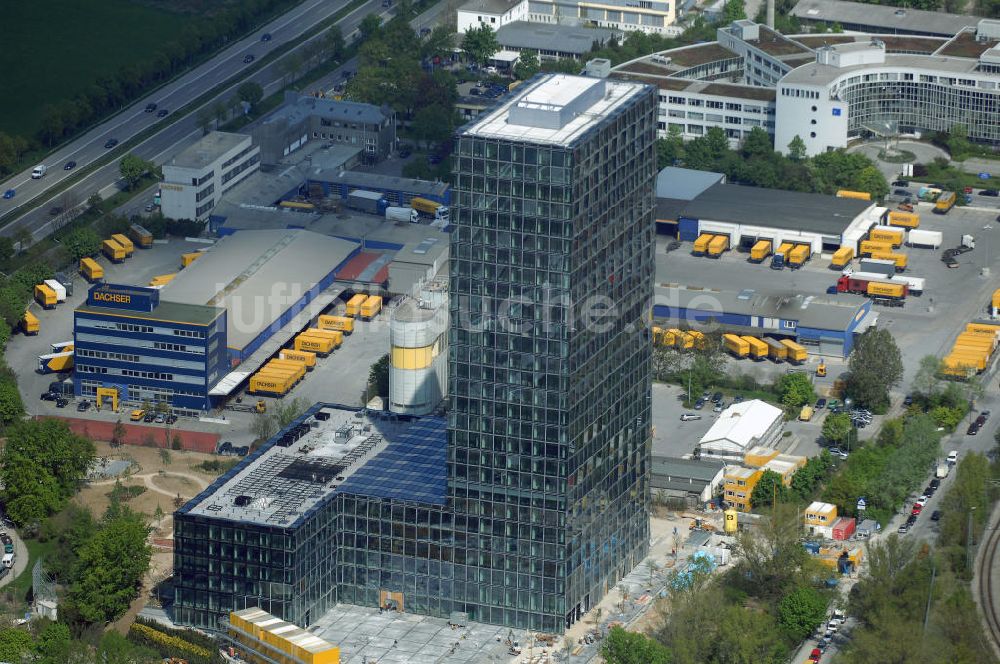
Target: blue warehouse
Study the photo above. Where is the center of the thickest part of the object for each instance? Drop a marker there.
(825, 326)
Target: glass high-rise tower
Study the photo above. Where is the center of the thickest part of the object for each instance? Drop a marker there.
(551, 276)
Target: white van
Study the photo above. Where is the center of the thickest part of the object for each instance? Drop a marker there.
(39, 172)
(8, 560)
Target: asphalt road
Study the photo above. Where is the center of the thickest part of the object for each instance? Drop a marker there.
(175, 95)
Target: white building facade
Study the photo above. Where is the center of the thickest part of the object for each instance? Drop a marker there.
(494, 13)
(196, 178)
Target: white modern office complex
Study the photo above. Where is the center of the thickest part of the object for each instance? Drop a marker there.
(195, 180)
(827, 89)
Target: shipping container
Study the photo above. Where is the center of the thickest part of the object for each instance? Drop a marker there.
(869, 247)
(760, 251)
(125, 243)
(303, 356)
(678, 336)
(354, 304)
(55, 362)
(842, 258)
(882, 289)
(57, 288)
(658, 335)
(187, 259)
(335, 336)
(91, 270)
(758, 349)
(982, 328)
(701, 244)
(45, 296)
(269, 385)
(114, 251)
(776, 350)
(684, 341)
(30, 324)
(343, 324)
(798, 256)
(371, 307)
(736, 345)
(919, 238)
(880, 266)
(796, 353)
(784, 249)
(319, 345)
(142, 238)
(899, 261)
(904, 219)
(859, 195)
(895, 236)
(700, 342)
(718, 246)
(297, 369)
(371, 202)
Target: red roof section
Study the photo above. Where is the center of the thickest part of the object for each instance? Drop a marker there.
(351, 271)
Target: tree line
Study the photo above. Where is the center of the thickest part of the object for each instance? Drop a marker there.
(63, 118)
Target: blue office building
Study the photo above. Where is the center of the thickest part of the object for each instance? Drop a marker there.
(148, 349)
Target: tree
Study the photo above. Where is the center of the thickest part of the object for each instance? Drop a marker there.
(370, 25)
(757, 144)
(796, 390)
(875, 367)
(837, 427)
(807, 479)
(733, 10)
(204, 119)
(110, 568)
(250, 92)
(378, 377)
(801, 611)
(431, 124)
(526, 66)
(928, 377)
(769, 488)
(81, 242)
(670, 150)
(11, 406)
(287, 412)
(797, 149)
(118, 434)
(479, 44)
(262, 426)
(132, 169)
(769, 557)
(6, 248)
(15, 644)
(24, 238)
(624, 647)
(54, 643)
(440, 43)
(333, 43)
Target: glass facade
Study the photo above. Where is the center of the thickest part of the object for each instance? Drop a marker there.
(534, 501)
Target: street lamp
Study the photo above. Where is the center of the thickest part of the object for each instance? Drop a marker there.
(987, 227)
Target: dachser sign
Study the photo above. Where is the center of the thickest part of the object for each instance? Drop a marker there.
(133, 298)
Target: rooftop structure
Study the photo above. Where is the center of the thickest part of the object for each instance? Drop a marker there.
(866, 17)
(556, 109)
(206, 150)
(259, 276)
(563, 40)
(742, 426)
(685, 184)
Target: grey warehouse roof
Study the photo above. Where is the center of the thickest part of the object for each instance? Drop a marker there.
(684, 183)
(299, 107)
(257, 276)
(703, 470)
(793, 210)
(892, 19)
(378, 182)
(546, 37)
(489, 6)
(810, 311)
(817, 74)
(206, 149)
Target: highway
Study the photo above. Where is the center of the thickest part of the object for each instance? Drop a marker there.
(173, 138)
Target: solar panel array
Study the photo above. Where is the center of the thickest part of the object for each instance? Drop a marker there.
(413, 467)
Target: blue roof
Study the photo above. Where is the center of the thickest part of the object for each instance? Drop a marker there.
(413, 467)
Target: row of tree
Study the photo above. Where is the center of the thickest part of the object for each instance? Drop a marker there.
(757, 163)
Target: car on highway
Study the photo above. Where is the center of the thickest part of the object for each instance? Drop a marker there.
(9, 194)
(150, 107)
(53, 211)
(110, 143)
(687, 417)
(70, 165)
(266, 37)
(162, 113)
(248, 58)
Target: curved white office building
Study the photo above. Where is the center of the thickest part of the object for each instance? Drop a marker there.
(828, 88)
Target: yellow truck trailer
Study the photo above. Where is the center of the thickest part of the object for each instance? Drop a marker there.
(982, 328)
(187, 259)
(354, 304)
(798, 256)
(125, 243)
(904, 219)
(270, 385)
(91, 270)
(784, 249)
(888, 234)
(945, 202)
(343, 324)
(114, 251)
(371, 307)
(162, 280)
(45, 296)
(319, 345)
(776, 350)
(760, 251)
(900, 260)
(883, 289)
(758, 349)
(842, 258)
(333, 335)
(718, 246)
(859, 195)
(796, 353)
(869, 247)
(142, 238)
(701, 244)
(736, 345)
(55, 362)
(698, 338)
(305, 357)
(30, 324)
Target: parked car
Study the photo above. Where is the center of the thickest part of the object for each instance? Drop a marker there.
(901, 183)
(989, 192)
(936, 483)
(717, 397)
(699, 404)
(917, 509)
(901, 192)
(908, 400)
(160, 418)
(903, 528)
(149, 417)
(912, 519)
(922, 500)
(953, 457)
(83, 406)
(820, 403)
(687, 417)
(171, 418)
(62, 402)
(972, 430)
(815, 655)
(49, 396)
(718, 408)
(936, 515)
